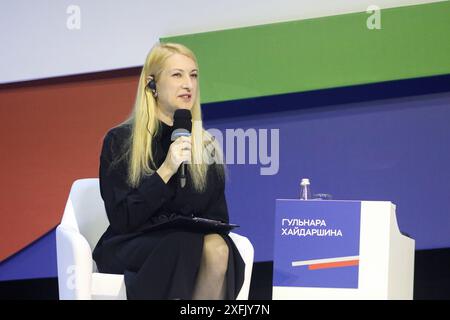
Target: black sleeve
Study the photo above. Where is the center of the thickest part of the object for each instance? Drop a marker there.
(128, 208)
(217, 208)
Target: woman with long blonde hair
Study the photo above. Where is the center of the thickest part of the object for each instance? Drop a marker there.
(139, 183)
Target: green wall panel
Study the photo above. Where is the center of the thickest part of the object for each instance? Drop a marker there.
(326, 52)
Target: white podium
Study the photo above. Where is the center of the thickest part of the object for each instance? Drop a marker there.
(340, 250)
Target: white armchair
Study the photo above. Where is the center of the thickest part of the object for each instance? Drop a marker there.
(83, 222)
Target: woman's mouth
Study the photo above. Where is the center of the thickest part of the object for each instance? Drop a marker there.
(185, 97)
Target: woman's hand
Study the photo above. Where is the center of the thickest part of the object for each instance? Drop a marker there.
(179, 151)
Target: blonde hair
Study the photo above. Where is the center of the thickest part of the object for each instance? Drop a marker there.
(145, 125)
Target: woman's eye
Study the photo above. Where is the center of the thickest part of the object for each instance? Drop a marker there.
(177, 75)
(194, 75)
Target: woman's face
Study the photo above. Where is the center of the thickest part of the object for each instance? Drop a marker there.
(177, 84)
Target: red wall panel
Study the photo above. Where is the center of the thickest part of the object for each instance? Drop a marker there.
(51, 135)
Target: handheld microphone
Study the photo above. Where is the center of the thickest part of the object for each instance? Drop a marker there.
(182, 126)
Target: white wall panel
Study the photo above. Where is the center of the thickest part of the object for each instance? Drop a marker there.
(36, 43)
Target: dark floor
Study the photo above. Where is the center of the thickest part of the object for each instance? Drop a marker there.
(431, 280)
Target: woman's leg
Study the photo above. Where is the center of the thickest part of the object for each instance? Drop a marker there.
(162, 265)
(211, 282)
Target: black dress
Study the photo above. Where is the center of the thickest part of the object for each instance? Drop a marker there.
(163, 263)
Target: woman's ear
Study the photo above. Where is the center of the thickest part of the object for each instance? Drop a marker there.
(151, 84)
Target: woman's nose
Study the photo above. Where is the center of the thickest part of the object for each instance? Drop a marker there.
(187, 83)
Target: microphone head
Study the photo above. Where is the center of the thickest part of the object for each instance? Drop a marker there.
(182, 123)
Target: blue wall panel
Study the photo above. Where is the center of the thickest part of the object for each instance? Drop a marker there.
(395, 150)
(38, 260)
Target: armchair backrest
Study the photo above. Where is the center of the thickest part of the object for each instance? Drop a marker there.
(85, 210)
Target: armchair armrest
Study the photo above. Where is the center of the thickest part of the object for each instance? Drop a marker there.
(247, 252)
(74, 258)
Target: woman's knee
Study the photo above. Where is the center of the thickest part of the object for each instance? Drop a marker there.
(215, 251)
